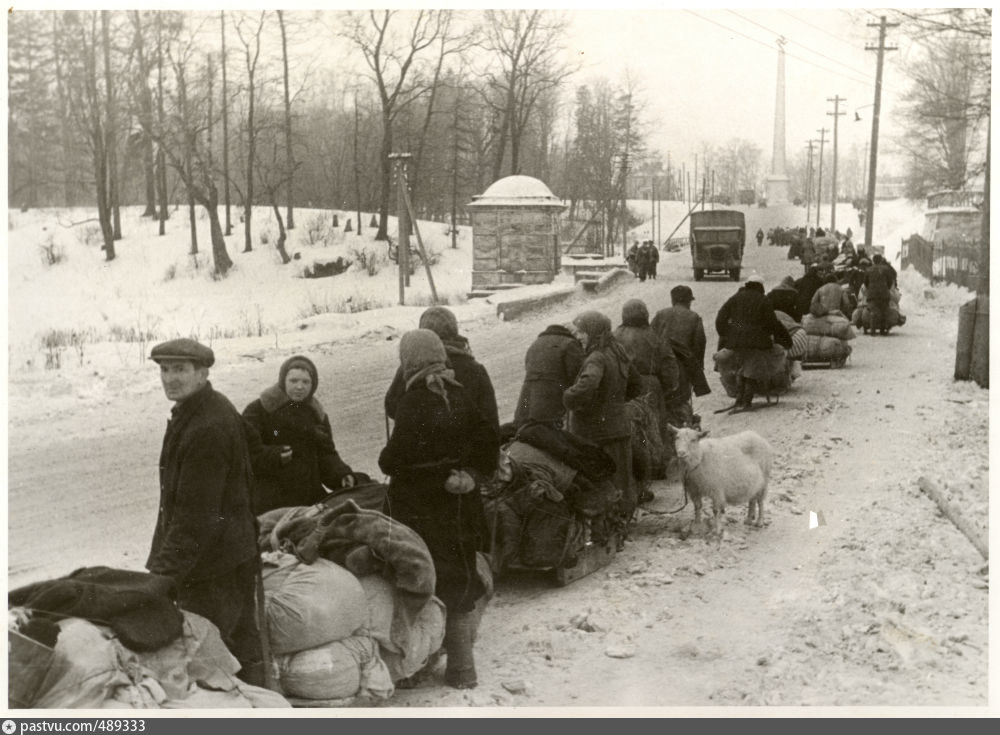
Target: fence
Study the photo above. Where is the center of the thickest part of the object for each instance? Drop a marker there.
(956, 263)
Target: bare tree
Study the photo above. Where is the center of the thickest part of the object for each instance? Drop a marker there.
(250, 36)
(144, 97)
(391, 49)
(110, 128)
(526, 44)
(225, 122)
(289, 157)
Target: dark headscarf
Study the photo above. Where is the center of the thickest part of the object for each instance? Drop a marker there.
(302, 363)
(597, 327)
(635, 314)
(423, 358)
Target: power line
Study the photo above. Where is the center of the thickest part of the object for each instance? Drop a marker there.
(810, 50)
(821, 30)
(769, 46)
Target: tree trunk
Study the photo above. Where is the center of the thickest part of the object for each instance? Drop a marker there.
(161, 159)
(146, 111)
(64, 121)
(280, 246)
(220, 255)
(225, 125)
(383, 205)
(357, 166)
(251, 152)
(289, 160)
(110, 130)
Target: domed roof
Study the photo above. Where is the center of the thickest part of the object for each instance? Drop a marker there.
(517, 191)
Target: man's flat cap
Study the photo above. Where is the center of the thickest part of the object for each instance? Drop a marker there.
(681, 293)
(183, 349)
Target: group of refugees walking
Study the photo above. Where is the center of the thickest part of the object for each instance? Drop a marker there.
(220, 468)
(643, 259)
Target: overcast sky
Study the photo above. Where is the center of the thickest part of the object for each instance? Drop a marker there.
(710, 74)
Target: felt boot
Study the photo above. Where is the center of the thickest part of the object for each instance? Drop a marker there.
(459, 638)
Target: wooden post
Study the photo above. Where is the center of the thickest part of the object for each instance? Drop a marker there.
(952, 514)
(420, 243)
(403, 222)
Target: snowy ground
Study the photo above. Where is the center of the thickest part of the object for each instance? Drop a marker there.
(884, 605)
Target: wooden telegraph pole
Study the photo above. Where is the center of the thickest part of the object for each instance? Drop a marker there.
(836, 100)
(403, 221)
(819, 186)
(809, 179)
(873, 154)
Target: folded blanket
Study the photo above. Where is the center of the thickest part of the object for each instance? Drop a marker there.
(139, 607)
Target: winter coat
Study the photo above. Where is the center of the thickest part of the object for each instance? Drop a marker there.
(786, 300)
(597, 398)
(430, 438)
(830, 297)
(747, 321)
(879, 280)
(468, 371)
(551, 365)
(205, 527)
(807, 286)
(275, 420)
(655, 362)
(684, 330)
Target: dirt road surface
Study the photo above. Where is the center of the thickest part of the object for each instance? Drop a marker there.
(881, 601)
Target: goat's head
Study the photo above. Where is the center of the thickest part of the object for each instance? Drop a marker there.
(686, 444)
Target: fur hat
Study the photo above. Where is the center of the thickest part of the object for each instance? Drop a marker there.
(302, 363)
(787, 284)
(593, 324)
(441, 321)
(635, 313)
(420, 349)
(681, 294)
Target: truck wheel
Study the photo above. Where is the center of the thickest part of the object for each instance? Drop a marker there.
(735, 274)
(698, 274)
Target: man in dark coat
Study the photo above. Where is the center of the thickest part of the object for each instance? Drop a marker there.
(879, 281)
(205, 537)
(597, 398)
(550, 367)
(747, 325)
(652, 259)
(784, 297)
(642, 261)
(441, 449)
(682, 329)
(808, 285)
(291, 441)
(468, 371)
(760, 237)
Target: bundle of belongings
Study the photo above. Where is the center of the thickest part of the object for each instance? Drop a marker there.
(891, 316)
(349, 600)
(551, 497)
(770, 371)
(800, 344)
(104, 638)
(827, 327)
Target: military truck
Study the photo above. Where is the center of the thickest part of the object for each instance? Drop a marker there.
(717, 241)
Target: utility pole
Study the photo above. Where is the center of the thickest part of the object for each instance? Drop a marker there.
(652, 207)
(819, 186)
(403, 221)
(624, 213)
(873, 155)
(837, 99)
(809, 179)
(864, 175)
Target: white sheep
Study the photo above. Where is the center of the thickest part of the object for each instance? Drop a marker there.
(733, 469)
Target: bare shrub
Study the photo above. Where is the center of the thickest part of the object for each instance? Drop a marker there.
(54, 341)
(368, 260)
(52, 254)
(171, 272)
(317, 230)
(90, 235)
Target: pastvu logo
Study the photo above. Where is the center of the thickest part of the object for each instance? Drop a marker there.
(9, 726)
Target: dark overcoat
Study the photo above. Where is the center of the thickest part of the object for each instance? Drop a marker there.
(747, 322)
(275, 420)
(205, 527)
(597, 398)
(684, 330)
(551, 364)
(429, 439)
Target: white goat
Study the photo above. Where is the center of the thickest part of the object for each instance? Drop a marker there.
(733, 469)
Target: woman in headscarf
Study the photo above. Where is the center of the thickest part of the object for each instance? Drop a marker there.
(785, 297)
(441, 449)
(291, 442)
(596, 400)
(468, 371)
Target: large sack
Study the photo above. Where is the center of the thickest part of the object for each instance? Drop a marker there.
(241, 696)
(551, 532)
(336, 670)
(413, 646)
(310, 604)
(827, 349)
(830, 325)
(863, 316)
(799, 337)
(829, 298)
(85, 671)
(28, 662)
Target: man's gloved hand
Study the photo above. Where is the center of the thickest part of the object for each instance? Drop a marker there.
(459, 482)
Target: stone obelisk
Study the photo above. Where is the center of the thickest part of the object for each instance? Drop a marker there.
(777, 184)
